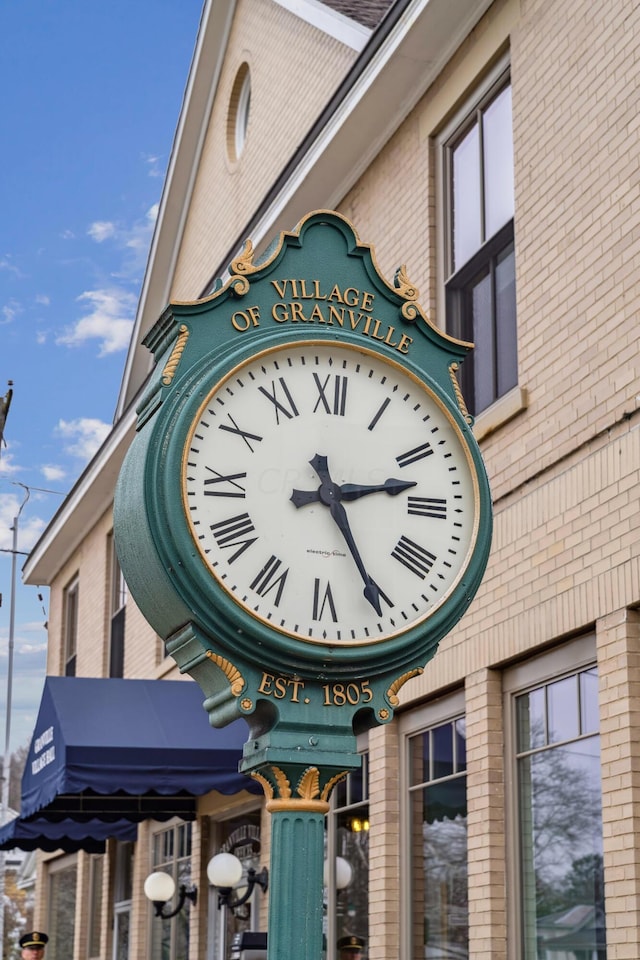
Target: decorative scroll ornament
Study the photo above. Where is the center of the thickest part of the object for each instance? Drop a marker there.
(231, 672)
(266, 786)
(172, 363)
(453, 368)
(309, 784)
(392, 692)
(403, 284)
(244, 264)
(328, 787)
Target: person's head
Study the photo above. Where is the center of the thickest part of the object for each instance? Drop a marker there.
(350, 948)
(33, 944)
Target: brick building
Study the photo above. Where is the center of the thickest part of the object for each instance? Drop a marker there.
(489, 145)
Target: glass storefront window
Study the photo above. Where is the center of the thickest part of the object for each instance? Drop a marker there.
(172, 853)
(62, 912)
(560, 820)
(438, 849)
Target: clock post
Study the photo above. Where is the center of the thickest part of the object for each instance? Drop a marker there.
(303, 515)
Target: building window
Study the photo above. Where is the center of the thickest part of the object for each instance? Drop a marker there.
(172, 853)
(238, 117)
(348, 840)
(70, 627)
(438, 845)
(480, 290)
(117, 612)
(561, 880)
(240, 835)
(62, 909)
(122, 894)
(96, 870)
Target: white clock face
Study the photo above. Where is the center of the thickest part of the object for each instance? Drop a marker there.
(330, 493)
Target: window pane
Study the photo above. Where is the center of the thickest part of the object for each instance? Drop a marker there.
(461, 745)
(507, 355)
(442, 751)
(484, 347)
(352, 903)
(589, 714)
(467, 220)
(95, 900)
(498, 162)
(530, 713)
(62, 912)
(561, 852)
(439, 871)
(419, 759)
(562, 699)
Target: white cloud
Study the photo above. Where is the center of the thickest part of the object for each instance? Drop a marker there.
(6, 264)
(109, 320)
(52, 473)
(41, 337)
(29, 528)
(7, 465)
(10, 311)
(43, 299)
(153, 163)
(102, 230)
(83, 436)
(68, 235)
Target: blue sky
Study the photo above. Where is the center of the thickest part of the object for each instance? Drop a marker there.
(91, 97)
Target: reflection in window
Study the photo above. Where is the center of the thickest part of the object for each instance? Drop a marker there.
(241, 837)
(560, 817)
(172, 853)
(350, 840)
(438, 811)
(62, 912)
(70, 627)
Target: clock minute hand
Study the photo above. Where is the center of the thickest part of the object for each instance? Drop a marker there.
(352, 491)
(371, 588)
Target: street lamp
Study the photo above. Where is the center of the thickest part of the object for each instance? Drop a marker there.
(225, 872)
(159, 887)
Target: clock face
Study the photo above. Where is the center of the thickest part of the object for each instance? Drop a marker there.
(330, 493)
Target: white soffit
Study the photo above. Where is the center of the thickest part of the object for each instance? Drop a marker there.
(331, 22)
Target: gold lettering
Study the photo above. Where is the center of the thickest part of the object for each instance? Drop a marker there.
(280, 691)
(242, 321)
(267, 680)
(403, 346)
(335, 294)
(304, 294)
(334, 315)
(354, 322)
(367, 300)
(354, 299)
(316, 314)
(367, 325)
(281, 287)
(316, 291)
(279, 312)
(297, 685)
(296, 312)
(388, 338)
(376, 327)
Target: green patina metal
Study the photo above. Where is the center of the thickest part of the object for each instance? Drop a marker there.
(304, 702)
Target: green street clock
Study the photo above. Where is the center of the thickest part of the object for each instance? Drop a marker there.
(305, 493)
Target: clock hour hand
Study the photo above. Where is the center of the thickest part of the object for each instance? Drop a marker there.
(352, 491)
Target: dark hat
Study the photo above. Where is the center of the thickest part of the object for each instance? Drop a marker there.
(351, 943)
(34, 939)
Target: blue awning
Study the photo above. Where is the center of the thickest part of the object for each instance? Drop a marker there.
(67, 835)
(112, 749)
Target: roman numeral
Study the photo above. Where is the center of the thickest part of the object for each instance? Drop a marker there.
(427, 507)
(414, 557)
(417, 453)
(229, 533)
(246, 436)
(335, 404)
(379, 412)
(233, 489)
(270, 579)
(283, 404)
(320, 601)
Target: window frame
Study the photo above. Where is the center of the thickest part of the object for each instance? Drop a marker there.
(118, 596)
(70, 619)
(564, 661)
(451, 284)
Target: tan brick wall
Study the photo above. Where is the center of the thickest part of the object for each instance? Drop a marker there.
(279, 48)
(385, 907)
